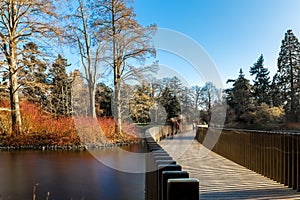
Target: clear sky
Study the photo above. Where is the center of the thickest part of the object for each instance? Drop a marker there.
(233, 32)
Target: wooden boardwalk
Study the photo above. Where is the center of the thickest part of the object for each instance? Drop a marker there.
(221, 178)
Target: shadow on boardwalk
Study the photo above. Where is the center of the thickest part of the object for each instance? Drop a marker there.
(221, 178)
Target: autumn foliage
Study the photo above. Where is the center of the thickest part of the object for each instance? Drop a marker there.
(41, 129)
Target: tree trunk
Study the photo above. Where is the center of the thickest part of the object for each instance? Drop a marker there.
(118, 108)
(292, 108)
(92, 93)
(14, 96)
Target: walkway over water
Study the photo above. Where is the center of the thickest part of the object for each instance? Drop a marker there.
(219, 177)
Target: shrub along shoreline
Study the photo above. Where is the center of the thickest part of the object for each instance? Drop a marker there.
(41, 131)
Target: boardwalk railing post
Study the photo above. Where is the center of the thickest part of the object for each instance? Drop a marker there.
(275, 155)
(160, 168)
(166, 175)
(298, 161)
(177, 189)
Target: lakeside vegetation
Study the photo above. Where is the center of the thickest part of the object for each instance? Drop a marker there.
(42, 130)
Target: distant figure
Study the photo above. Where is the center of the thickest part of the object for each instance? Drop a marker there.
(179, 122)
(176, 124)
(194, 124)
(173, 121)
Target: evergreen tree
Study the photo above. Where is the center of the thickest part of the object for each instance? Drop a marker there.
(140, 104)
(261, 86)
(277, 97)
(103, 100)
(239, 97)
(60, 99)
(33, 77)
(170, 102)
(287, 80)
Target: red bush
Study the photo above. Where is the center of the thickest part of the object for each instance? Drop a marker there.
(109, 127)
(41, 129)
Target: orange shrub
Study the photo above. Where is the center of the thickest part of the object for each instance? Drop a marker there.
(41, 129)
(108, 126)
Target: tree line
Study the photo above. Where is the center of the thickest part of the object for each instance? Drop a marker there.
(266, 100)
(110, 42)
(102, 32)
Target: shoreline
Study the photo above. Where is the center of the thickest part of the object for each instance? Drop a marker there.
(66, 148)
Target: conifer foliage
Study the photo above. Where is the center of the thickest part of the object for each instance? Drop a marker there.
(261, 86)
(287, 78)
(60, 98)
(239, 97)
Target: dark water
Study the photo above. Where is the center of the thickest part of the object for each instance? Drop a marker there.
(67, 175)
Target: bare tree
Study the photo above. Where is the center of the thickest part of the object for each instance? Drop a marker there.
(128, 41)
(196, 94)
(91, 50)
(210, 95)
(22, 21)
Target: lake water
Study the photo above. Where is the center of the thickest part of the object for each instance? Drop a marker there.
(68, 175)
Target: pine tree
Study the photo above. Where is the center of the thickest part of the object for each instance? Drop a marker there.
(103, 100)
(261, 86)
(33, 77)
(287, 76)
(170, 102)
(239, 97)
(60, 101)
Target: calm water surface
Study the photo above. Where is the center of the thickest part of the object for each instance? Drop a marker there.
(67, 175)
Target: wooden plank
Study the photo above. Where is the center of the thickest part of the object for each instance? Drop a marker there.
(221, 178)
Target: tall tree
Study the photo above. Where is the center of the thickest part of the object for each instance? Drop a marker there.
(103, 100)
(141, 103)
(209, 96)
(288, 74)
(239, 97)
(261, 86)
(127, 39)
(196, 96)
(277, 95)
(21, 21)
(60, 97)
(91, 50)
(170, 102)
(32, 76)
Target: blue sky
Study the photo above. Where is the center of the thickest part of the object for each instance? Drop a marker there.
(233, 32)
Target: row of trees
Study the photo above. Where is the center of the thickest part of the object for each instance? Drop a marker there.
(109, 41)
(43, 83)
(263, 102)
(105, 34)
(158, 100)
(278, 97)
